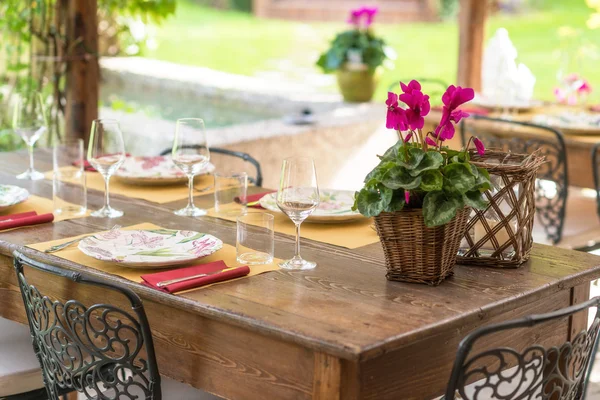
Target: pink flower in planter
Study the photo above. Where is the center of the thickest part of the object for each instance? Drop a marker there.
(408, 137)
(417, 102)
(430, 141)
(396, 118)
(454, 97)
(406, 196)
(363, 13)
(479, 146)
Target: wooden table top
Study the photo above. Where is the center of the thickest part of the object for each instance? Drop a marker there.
(344, 307)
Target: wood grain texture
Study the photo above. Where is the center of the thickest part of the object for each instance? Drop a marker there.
(579, 322)
(471, 20)
(327, 377)
(261, 336)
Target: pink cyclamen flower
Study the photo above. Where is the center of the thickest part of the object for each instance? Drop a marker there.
(479, 146)
(454, 97)
(408, 137)
(406, 196)
(396, 118)
(584, 87)
(430, 141)
(417, 102)
(362, 16)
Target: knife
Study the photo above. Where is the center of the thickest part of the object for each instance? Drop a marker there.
(186, 278)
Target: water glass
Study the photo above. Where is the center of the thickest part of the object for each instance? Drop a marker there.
(69, 192)
(30, 123)
(230, 193)
(255, 242)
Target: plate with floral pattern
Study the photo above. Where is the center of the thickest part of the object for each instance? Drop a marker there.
(335, 206)
(157, 170)
(150, 248)
(12, 195)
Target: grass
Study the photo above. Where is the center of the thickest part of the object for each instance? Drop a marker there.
(239, 43)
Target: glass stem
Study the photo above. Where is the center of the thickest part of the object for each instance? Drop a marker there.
(106, 198)
(30, 150)
(297, 248)
(191, 191)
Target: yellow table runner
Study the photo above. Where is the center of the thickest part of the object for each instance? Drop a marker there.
(350, 235)
(226, 253)
(41, 205)
(156, 194)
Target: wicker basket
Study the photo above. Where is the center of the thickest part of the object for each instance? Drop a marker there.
(501, 235)
(416, 253)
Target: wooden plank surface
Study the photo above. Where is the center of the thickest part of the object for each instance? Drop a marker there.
(471, 20)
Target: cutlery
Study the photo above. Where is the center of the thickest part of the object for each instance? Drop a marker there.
(187, 278)
(61, 246)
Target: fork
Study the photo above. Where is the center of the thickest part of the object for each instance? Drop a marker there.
(61, 246)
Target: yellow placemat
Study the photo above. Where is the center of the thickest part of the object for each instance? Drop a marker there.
(41, 205)
(350, 235)
(155, 194)
(72, 253)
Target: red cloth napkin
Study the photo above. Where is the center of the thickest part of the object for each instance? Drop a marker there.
(151, 280)
(256, 197)
(473, 110)
(24, 219)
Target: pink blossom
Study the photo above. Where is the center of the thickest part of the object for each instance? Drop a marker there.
(417, 102)
(585, 87)
(408, 137)
(362, 16)
(396, 118)
(406, 196)
(479, 146)
(454, 97)
(430, 141)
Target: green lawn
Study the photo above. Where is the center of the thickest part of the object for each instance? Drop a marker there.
(238, 43)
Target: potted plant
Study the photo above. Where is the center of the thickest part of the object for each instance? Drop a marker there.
(356, 55)
(421, 192)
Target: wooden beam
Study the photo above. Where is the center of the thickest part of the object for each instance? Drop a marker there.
(83, 70)
(471, 20)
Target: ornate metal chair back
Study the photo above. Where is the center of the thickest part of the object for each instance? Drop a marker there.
(100, 350)
(596, 169)
(552, 183)
(434, 87)
(256, 179)
(537, 372)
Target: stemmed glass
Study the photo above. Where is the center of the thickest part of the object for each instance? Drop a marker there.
(298, 197)
(106, 153)
(191, 155)
(29, 122)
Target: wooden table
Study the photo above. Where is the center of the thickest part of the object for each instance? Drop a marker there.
(579, 146)
(340, 331)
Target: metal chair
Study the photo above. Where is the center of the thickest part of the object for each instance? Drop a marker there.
(504, 373)
(437, 86)
(552, 185)
(100, 350)
(244, 156)
(596, 170)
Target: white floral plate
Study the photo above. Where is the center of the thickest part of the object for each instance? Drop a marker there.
(150, 248)
(158, 170)
(11, 195)
(335, 207)
(571, 123)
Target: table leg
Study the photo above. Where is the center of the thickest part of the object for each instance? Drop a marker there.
(327, 377)
(579, 322)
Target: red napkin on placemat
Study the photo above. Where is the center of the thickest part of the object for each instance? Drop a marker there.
(24, 219)
(256, 197)
(152, 279)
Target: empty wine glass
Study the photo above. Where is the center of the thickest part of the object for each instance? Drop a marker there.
(106, 153)
(298, 197)
(191, 155)
(29, 122)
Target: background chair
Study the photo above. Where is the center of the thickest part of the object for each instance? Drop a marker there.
(100, 350)
(246, 158)
(552, 185)
(561, 371)
(434, 87)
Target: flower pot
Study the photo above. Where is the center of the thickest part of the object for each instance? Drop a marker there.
(415, 252)
(357, 82)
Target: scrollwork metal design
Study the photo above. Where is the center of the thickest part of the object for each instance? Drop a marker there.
(552, 187)
(97, 350)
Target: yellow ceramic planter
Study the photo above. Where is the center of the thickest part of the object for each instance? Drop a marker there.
(358, 85)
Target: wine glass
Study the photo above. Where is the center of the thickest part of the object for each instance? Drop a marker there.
(298, 197)
(106, 153)
(191, 155)
(29, 122)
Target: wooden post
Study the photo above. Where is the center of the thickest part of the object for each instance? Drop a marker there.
(82, 68)
(471, 21)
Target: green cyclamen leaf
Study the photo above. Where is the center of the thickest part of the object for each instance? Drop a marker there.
(391, 154)
(415, 156)
(475, 199)
(397, 203)
(371, 203)
(440, 207)
(458, 178)
(483, 180)
(432, 180)
(399, 178)
(431, 160)
(376, 175)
